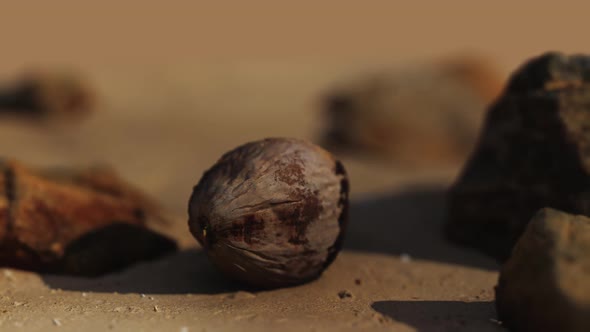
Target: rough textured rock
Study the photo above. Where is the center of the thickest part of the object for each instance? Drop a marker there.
(48, 94)
(534, 152)
(272, 213)
(545, 285)
(414, 116)
(84, 222)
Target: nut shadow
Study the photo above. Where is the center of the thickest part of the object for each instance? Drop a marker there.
(408, 222)
(430, 316)
(184, 272)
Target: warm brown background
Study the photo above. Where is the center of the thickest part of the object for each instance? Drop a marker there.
(171, 32)
(180, 84)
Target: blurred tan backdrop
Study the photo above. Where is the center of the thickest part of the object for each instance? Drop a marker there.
(165, 32)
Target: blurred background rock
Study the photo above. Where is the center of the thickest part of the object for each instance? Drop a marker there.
(420, 115)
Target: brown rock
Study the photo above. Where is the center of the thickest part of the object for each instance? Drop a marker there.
(73, 221)
(415, 116)
(272, 213)
(545, 285)
(534, 152)
(48, 94)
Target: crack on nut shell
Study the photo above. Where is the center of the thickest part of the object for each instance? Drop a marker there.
(264, 205)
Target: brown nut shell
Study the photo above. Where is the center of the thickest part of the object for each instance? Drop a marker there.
(272, 213)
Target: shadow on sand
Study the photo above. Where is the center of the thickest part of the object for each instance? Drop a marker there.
(429, 316)
(408, 222)
(184, 272)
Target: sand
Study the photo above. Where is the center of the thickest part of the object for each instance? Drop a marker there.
(182, 84)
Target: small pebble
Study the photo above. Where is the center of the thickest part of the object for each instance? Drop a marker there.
(495, 321)
(56, 322)
(357, 282)
(240, 295)
(405, 258)
(8, 274)
(344, 294)
(156, 309)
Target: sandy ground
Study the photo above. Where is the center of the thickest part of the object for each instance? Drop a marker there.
(161, 130)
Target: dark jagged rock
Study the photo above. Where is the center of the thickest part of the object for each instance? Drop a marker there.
(545, 285)
(534, 152)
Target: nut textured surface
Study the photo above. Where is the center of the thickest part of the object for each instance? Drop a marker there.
(534, 152)
(272, 213)
(545, 285)
(67, 221)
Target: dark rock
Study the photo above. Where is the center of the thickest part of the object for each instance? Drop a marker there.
(545, 285)
(534, 152)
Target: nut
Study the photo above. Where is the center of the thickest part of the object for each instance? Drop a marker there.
(271, 213)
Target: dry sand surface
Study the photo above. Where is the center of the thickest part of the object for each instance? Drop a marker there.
(161, 130)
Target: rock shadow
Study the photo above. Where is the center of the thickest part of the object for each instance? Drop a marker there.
(184, 272)
(432, 316)
(410, 222)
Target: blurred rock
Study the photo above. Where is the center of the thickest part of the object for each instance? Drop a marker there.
(534, 152)
(545, 285)
(48, 94)
(416, 116)
(85, 222)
